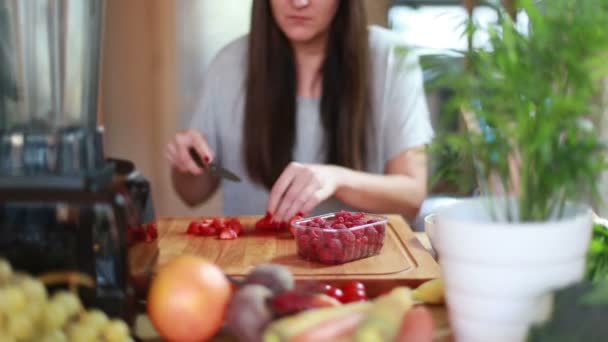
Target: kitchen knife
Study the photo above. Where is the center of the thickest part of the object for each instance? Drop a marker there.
(219, 171)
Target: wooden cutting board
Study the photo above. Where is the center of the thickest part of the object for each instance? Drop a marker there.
(402, 261)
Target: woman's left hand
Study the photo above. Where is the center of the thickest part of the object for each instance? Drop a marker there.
(300, 188)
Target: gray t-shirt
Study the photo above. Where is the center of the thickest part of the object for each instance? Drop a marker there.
(399, 110)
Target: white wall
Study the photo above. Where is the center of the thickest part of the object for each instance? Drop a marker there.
(203, 28)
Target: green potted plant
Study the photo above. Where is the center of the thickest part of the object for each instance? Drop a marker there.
(528, 97)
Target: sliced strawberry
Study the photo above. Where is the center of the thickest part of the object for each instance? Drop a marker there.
(208, 230)
(264, 222)
(139, 233)
(228, 234)
(152, 231)
(194, 228)
(218, 223)
(235, 225)
(148, 238)
(205, 222)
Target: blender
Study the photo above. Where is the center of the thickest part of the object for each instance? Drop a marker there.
(64, 206)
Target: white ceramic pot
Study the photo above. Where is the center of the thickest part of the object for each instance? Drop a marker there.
(498, 275)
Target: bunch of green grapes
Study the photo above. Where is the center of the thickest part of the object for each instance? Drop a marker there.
(28, 313)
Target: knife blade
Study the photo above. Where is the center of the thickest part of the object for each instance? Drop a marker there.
(214, 168)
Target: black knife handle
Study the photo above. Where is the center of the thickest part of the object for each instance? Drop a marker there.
(196, 157)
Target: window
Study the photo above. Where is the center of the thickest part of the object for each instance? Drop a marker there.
(434, 24)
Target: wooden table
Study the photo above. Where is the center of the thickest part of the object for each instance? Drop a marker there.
(402, 261)
(405, 260)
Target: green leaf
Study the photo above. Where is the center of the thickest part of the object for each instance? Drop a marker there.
(532, 91)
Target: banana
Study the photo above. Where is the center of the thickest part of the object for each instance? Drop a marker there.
(384, 318)
(431, 292)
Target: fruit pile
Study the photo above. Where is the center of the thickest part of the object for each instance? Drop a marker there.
(268, 306)
(339, 238)
(390, 317)
(144, 233)
(27, 313)
(224, 229)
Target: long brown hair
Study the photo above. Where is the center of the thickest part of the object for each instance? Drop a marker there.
(269, 128)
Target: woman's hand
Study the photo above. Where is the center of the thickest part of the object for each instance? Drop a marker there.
(193, 185)
(178, 152)
(300, 188)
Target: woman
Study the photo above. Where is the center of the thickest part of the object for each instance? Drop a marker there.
(317, 111)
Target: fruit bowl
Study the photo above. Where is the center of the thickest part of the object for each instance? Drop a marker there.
(337, 238)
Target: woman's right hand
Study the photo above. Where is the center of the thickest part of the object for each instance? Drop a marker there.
(178, 152)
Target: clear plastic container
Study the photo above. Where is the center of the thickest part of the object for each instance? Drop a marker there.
(337, 238)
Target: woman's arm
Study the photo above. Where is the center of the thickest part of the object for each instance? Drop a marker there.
(402, 188)
(194, 190)
(301, 187)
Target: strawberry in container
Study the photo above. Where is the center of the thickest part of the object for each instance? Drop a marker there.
(341, 237)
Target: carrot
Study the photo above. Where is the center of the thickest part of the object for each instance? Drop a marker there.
(417, 326)
(331, 330)
(383, 319)
(287, 328)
